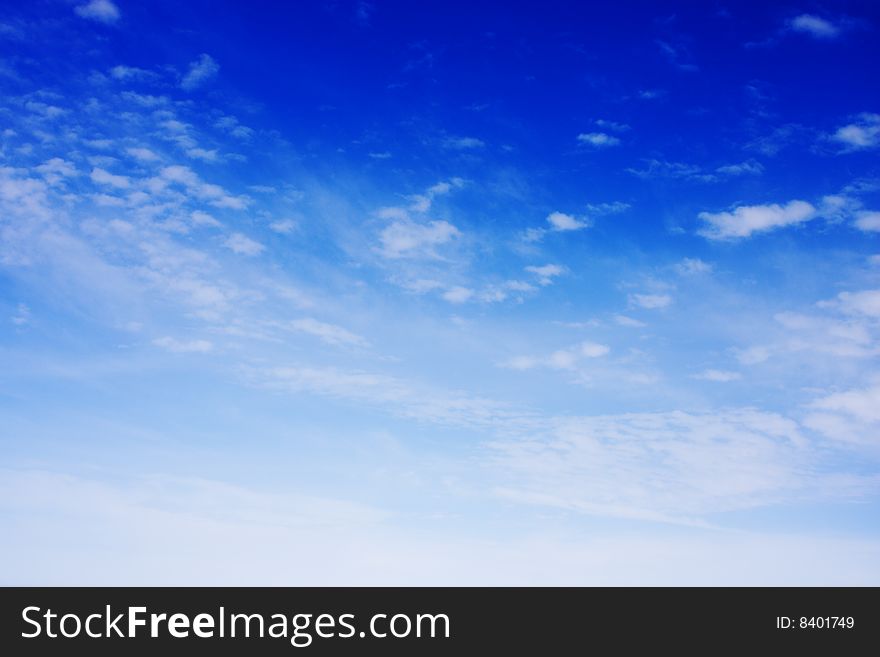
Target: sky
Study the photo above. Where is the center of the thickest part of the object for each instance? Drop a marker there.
(348, 292)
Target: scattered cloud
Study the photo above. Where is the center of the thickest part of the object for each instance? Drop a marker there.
(103, 11)
(677, 56)
(655, 168)
(463, 143)
(864, 302)
(458, 294)
(231, 125)
(868, 221)
(563, 359)
(850, 416)
(623, 320)
(612, 125)
(669, 466)
(21, 316)
(814, 26)
(692, 266)
(56, 169)
(862, 134)
(190, 180)
(599, 209)
(650, 301)
(546, 273)
(102, 177)
(123, 73)
(329, 333)
(750, 167)
(598, 139)
(559, 221)
(243, 245)
(142, 154)
(283, 226)
(406, 238)
(747, 220)
(200, 71)
(718, 376)
(184, 346)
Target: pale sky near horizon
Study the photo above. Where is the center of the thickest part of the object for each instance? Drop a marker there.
(355, 292)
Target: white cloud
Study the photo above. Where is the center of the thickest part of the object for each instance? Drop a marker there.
(463, 143)
(750, 167)
(851, 416)
(283, 226)
(664, 169)
(422, 202)
(243, 245)
(650, 301)
(228, 534)
(612, 125)
(408, 238)
(130, 73)
(865, 302)
(562, 359)
(560, 221)
(615, 207)
(545, 273)
(683, 171)
(200, 71)
(814, 26)
(329, 333)
(22, 315)
(748, 219)
(753, 355)
(598, 139)
(200, 218)
(213, 194)
(860, 135)
(103, 11)
(718, 376)
(384, 155)
(623, 320)
(458, 294)
(103, 177)
(692, 266)
(202, 154)
(664, 466)
(56, 169)
(868, 221)
(185, 346)
(142, 154)
(593, 349)
(231, 125)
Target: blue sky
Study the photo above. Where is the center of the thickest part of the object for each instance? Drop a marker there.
(427, 293)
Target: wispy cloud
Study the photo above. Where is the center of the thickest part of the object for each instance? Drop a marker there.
(406, 238)
(814, 26)
(103, 11)
(862, 134)
(200, 71)
(546, 273)
(747, 220)
(598, 139)
(563, 359)
(463, 143)
(718, 376)
(329, 333)
(243, 245)
(183, 346)
(650, 301)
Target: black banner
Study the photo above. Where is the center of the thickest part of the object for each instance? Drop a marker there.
(434, 621)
